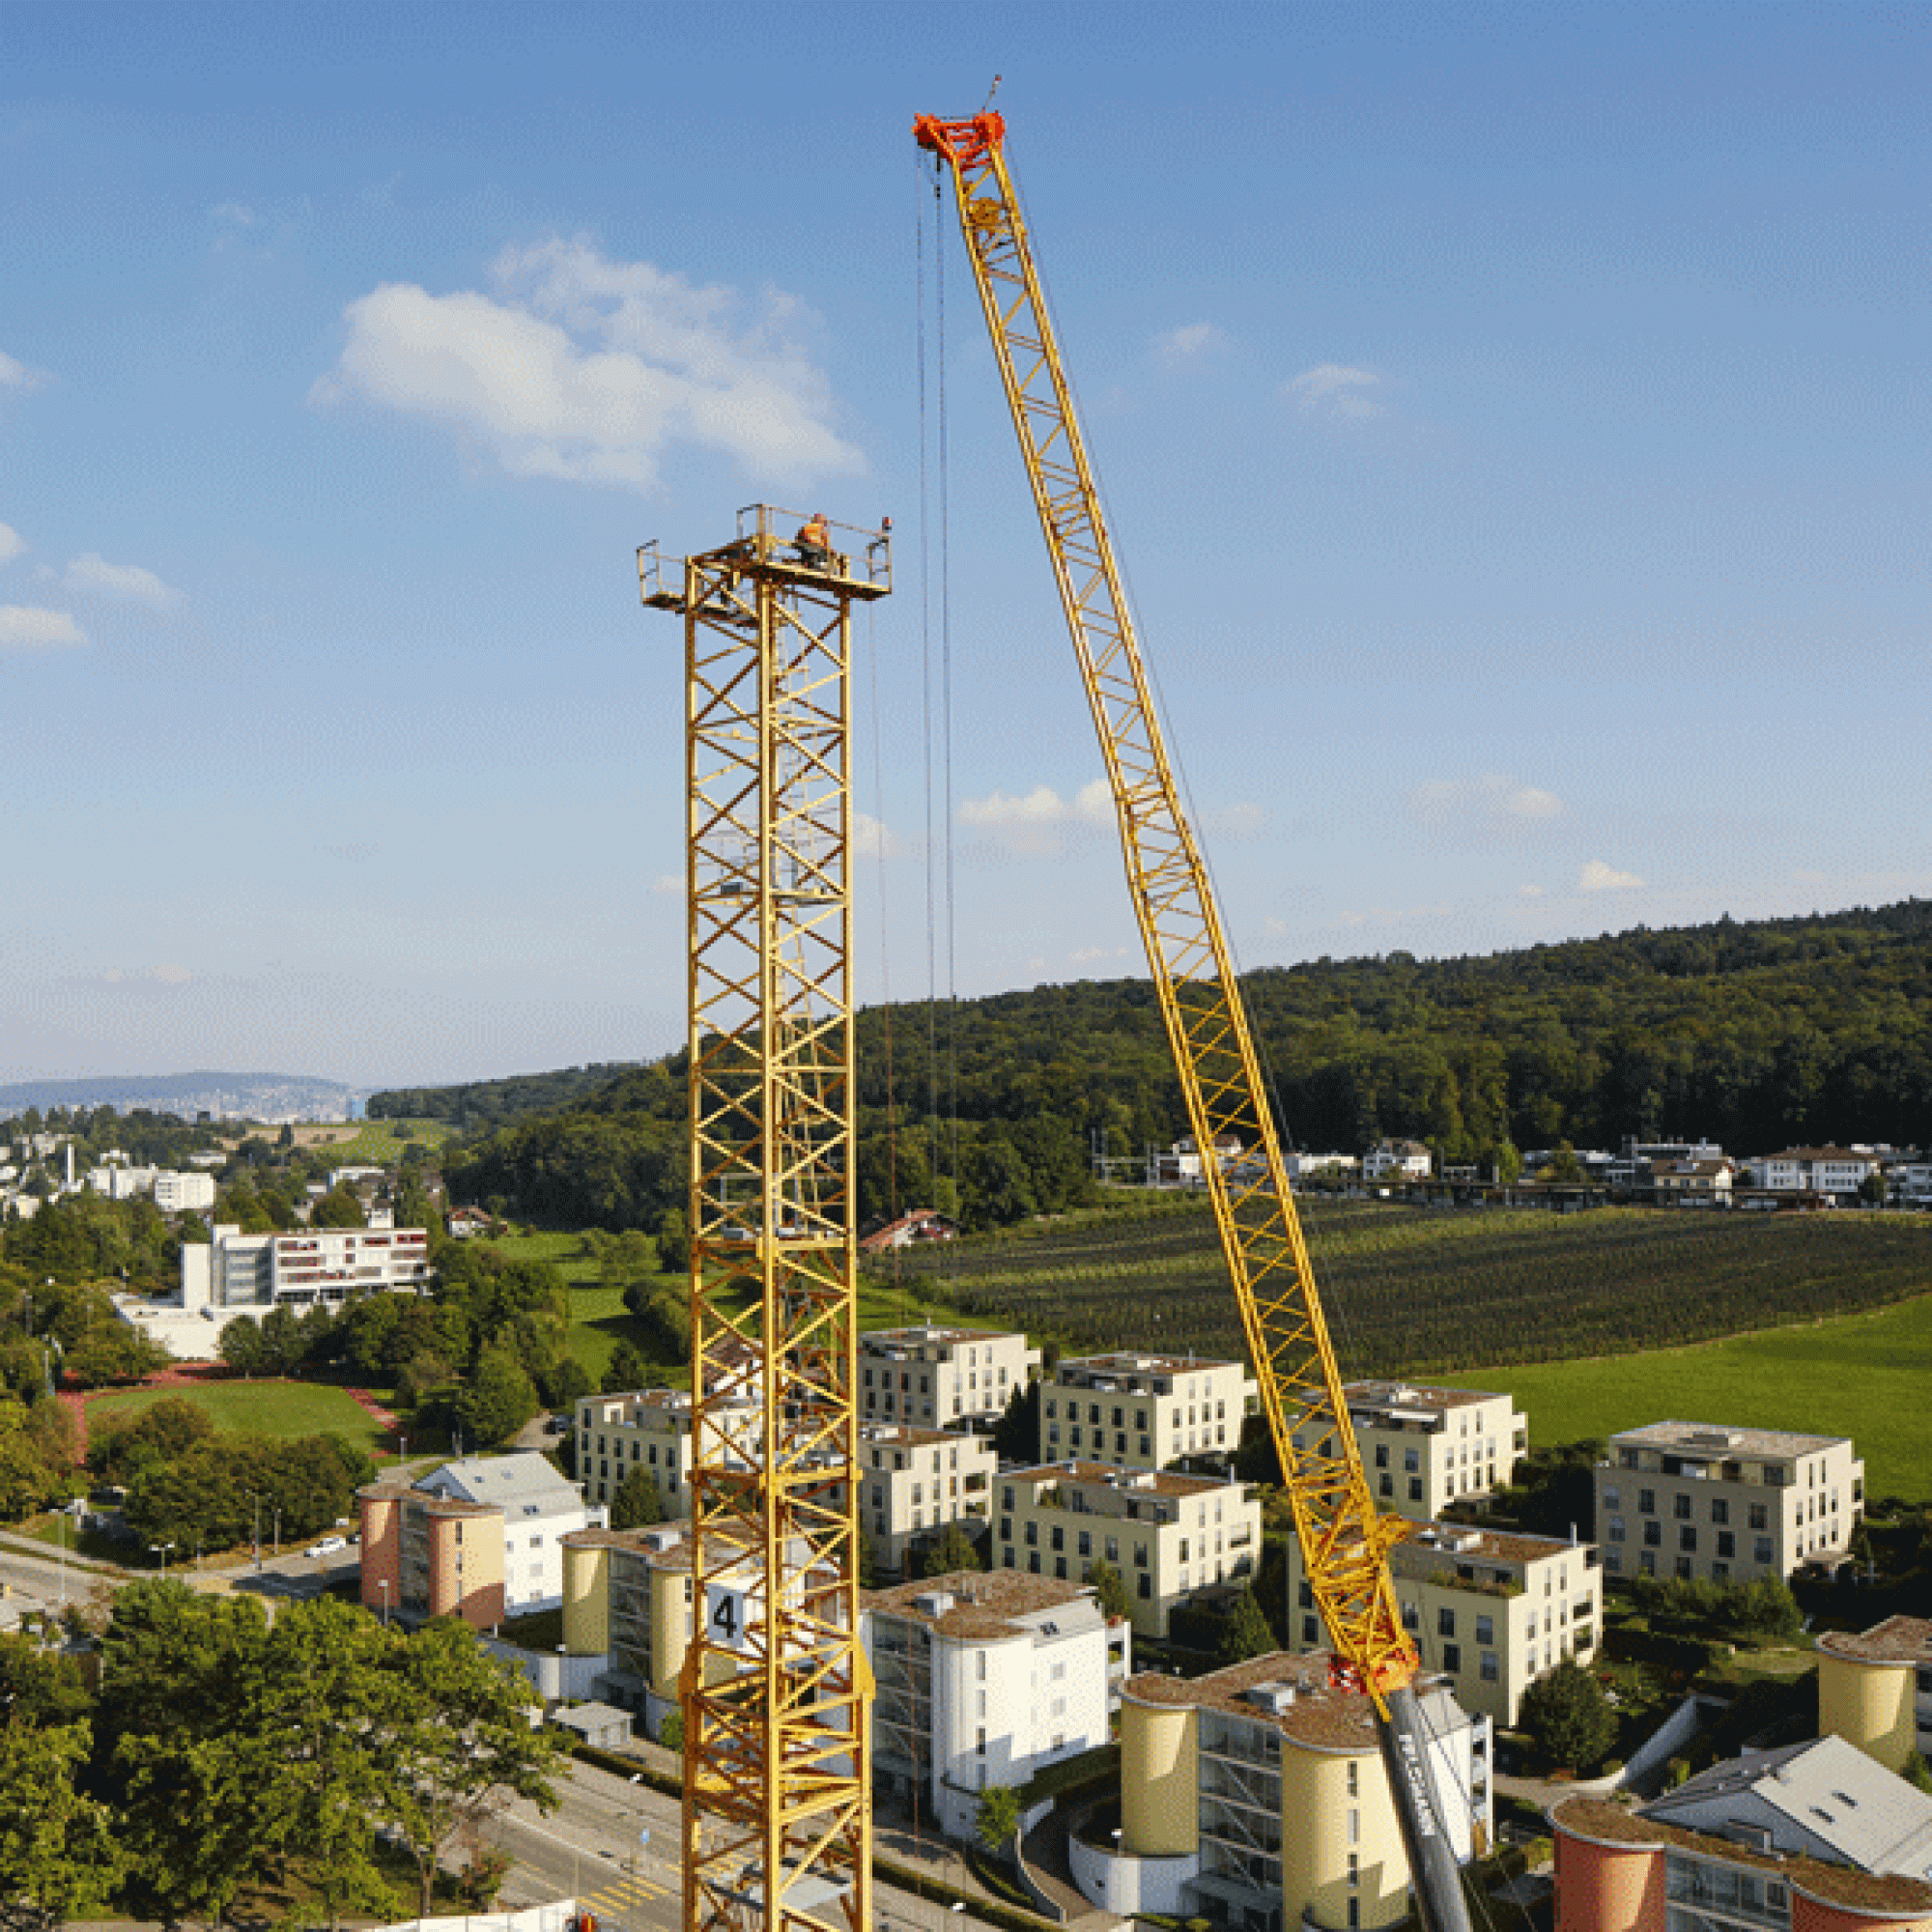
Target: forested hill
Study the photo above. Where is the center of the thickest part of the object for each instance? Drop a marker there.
(1755, 1035)
(479, 1105)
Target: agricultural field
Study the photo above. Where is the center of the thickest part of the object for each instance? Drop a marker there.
(273, 1409)
(1864, 1376)
(1430, 1292)
(356, 1143)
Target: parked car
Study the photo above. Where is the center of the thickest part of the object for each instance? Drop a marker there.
(326, 1546)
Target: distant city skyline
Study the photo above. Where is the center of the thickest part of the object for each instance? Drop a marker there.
(1513, 418)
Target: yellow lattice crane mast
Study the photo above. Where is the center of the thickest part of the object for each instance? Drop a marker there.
(776, 1690)
(1343, 1541)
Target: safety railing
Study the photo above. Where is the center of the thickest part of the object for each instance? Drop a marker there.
(848, 553)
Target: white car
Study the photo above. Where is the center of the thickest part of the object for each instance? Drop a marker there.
(328, 1546)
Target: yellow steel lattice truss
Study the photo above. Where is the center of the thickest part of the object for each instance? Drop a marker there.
(1346, 1541)
(776, 1792)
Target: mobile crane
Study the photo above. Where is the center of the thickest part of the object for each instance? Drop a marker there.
(1344, 1540)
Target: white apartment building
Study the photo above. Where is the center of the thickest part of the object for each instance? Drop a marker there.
(316, 1264)
(1490, 1612)
(914, 1482)
(119, 1181)
(176, 1193)
(539, 1508)
(981, 1680)
(1139, 1411)
(1698, 1500)
(1827, 1170)
(1424, 1446)
(647, 1429)
(1398, 1160)
(941, 1378)
(1167, 1535)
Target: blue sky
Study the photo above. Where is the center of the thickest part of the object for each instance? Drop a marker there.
(1514, 422)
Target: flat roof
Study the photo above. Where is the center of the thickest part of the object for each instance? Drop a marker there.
(1126, 1362)
(907, 1336)
(985, 1602)
(1493, 1546)
(1417, 1394)
(1896, 1640)
(905, 1432)
(1320, 1716)
(1144, 1481)
(1685, 1436)
(1609, 1823)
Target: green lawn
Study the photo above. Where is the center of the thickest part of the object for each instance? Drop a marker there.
(1861, 1375)
(284, 1410)
(599, 1319)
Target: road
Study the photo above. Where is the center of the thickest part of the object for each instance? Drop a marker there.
(588, 1849)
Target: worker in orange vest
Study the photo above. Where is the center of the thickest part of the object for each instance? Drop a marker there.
(815, 543)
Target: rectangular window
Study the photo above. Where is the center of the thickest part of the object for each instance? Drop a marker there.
(1445, 1621)
(1761, 1550)
(1485, 1630)
(1145, 1587)
(1412, 1460)
(1489, 1666)
(1382, 1455)
(1646, 1502)
(1311, 1631)
(1727, 1543)
(1681, 1506)
(1653, 1535)
(1617, 1529)
(1720, 1510)
(1415, 1488)
(1686, 1536)
(1612, 1500)
(1760, 1516)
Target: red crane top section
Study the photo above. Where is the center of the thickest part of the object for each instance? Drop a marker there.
(963, 143)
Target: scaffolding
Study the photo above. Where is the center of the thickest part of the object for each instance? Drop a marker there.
(775, 1688)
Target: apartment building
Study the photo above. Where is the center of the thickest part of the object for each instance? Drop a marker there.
(174, 1193)
(1398, 1160)
(1425, 1447)
(1810, 1170)
(981, 1680)
(429, 1557)
(538, 1507)
(1490, 1612)
(916, 1481)
(1256, 1797)
(1138, 1411)
(1811, 1837)
(1699, 1500)
(315, 1264)
(1875, 1688)
(647, 1429)
(941, 1378)
(1168, 1535)
(627, 1599)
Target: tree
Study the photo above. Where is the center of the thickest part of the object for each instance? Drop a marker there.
(569, 1382)
(628, 1369)
(498, 1400)
(1016, 1433)
(635, 1504)
(340, 1208)
(1567, 1717)
(457, 1742)
(997, 1818)
(1562, 1165)
(241, 1345)
(1247, 1633)
(671, 1731)
(58, 1849)
(954, 1550)
(1110, 1588)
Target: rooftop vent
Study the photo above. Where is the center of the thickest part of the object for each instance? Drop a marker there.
(932, 1602)
(1714, 1438)
(662, 1538)
(1274, 1697)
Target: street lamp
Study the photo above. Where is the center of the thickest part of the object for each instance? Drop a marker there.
(162, 1549)
(255, 1498)
(278, 1528)
(383, 1584)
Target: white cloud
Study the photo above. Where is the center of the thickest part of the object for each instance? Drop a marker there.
(1185, 344)
(1337, 388)
(127, 582)
(1235, 821)
(1598, 877)
(1087, 954)
(1492, 803)
(12, 544)
(871, 838)
(591, 370)
(1030, 823)
(24, 626)
(668, 885)
(17, 375)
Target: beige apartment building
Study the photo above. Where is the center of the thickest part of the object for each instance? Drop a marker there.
(1168, 1535)
(426, 1556)
(1698, 1500)
(1875, 1688)
(915, 1480)
(647, 1429)
(1424, 1447)
(941, 1378)
(1256, 1797)
(627, 1598)
(1137, 1411)
(1489, 1613)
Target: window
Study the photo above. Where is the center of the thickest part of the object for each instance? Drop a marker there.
(1058, 1537)
(1452, 1656)
(1005, 1529)
(1684, 1567)
(1387, 1486)
(1311, 1631)
(1612, 1498)
(1653, 1535)
(1354, 1778)
(1487, 1666)
(1445, 1621)
(1415, 1488)
(1646, 1502)
(1033, 1535)
(1680, 1505)
(1412, 1460)
(1617, 1529)
(1727, 1543)
(1382, 1455)
(1146, 1587)
(1687, 1536)
(1760, 1516)
(1086, 1541)
(1485, 1630)
(1720, 1510)
(1761, 1550)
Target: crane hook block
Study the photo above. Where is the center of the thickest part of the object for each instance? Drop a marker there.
(966, 144)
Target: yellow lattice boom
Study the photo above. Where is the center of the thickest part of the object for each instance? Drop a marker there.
(1345, 1539)
(776, 1690)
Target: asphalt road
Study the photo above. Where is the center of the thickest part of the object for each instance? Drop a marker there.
(588, 1849)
